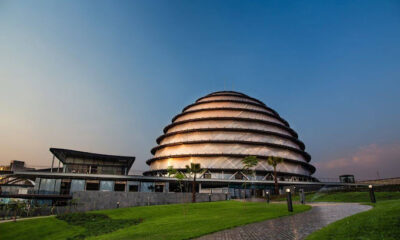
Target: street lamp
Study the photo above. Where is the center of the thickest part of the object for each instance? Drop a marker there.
(289, 200)
(267, 195)
(302, 196)
(372, 194)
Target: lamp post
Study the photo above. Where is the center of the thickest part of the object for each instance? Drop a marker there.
(302, 197)
(372, 194)
(267, 196)
(289, 200)
(209, 197)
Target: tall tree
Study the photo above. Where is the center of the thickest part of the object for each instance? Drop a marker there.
(194, 168)
(274, 161)
(249, 163)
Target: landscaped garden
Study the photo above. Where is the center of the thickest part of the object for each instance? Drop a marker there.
(381, 222)
(177, 221)
(345, 196)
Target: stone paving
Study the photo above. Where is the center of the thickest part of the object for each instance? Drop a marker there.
(292, 227)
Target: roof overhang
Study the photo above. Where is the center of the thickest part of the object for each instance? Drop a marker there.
(63, 154)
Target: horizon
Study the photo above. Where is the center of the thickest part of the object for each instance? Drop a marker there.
(108, 77)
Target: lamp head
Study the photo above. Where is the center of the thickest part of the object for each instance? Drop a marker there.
(288, 190)
(369, 186)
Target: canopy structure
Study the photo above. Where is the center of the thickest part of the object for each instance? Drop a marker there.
(67, 156)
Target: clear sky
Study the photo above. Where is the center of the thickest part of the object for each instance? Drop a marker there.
(107, 76)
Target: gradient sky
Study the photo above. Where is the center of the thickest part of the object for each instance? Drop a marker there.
(107, 76)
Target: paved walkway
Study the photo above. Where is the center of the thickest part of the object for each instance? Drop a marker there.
(292, 227)
(23, 219)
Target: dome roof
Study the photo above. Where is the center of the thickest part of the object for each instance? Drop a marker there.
(221, 128)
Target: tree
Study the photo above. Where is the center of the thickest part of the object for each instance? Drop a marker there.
(274, 161)
(16, 207)
(172, 172)
(249, 163)
(180, 176)
(194, 168)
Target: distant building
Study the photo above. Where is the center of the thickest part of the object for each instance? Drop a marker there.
(347, 178)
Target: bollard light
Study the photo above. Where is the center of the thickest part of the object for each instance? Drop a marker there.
(267, 196)
(302, 196)
(289, 200)
(372, 194)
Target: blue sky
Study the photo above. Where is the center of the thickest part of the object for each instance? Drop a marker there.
(107, 76)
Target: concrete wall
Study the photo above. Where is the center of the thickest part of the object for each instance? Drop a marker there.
(386, 181)
(107, 200)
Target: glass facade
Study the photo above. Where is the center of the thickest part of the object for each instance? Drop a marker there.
(77, 185)
(147, 186)
(106, 185)
(49, 186)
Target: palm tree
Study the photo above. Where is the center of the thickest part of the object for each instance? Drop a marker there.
(194, 168)
(274, 161)
(248, 163)
(171, 171)
(180, 176)
(176, 174)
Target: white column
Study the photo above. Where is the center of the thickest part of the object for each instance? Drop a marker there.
(52, 164)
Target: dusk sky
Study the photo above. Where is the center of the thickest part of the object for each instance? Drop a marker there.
(107, 76)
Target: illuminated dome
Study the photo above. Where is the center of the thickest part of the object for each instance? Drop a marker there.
(222, 128)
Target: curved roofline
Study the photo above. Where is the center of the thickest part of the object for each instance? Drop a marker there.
(232, 109)
(309, 166)
(232, 118)
(230, 93)
(295, 140)
(233, 170)
(273, 145)
(230, 101)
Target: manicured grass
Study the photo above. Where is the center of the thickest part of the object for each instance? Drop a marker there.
(95, 224)
(177, 221)
(382, 222)
(346, 197)
(44, 228)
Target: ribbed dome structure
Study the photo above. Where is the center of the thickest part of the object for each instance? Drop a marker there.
(222, 128)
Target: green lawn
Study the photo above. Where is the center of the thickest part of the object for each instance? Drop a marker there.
(177, 221)
(346, 197)
(382, 222)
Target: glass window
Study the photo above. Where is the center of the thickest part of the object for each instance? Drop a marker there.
(119, 186)
(106, 185)
(50, 186)
(147, 187)
(133, 188)
(92, 185)
(77, 185)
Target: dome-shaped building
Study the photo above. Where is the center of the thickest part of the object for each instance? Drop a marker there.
(222, 128)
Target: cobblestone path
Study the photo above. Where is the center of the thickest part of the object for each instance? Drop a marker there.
(292, 227)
